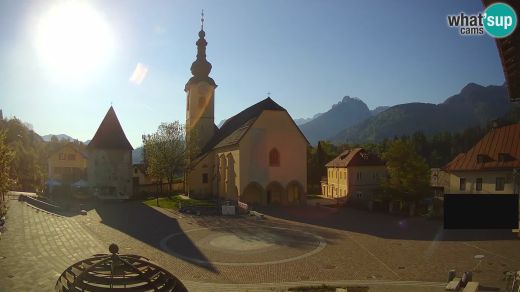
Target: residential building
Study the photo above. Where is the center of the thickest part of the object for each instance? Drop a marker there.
(439, 181)
(490, 167)
(139, 176)
(110, 160)
(258, 156)
(67, 164)
(354, 175)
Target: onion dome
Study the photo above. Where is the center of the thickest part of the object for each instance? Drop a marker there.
(115, 272)
(201, 68)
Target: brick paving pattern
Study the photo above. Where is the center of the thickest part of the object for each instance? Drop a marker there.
(38, 246)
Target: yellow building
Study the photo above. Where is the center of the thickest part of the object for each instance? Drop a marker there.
(353, 175)
(258, 156)
(492, 166)
(67, 164)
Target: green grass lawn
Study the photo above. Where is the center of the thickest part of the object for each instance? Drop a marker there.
(173, 202)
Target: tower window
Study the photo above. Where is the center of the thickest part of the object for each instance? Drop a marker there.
(274, 157)
(205, 178)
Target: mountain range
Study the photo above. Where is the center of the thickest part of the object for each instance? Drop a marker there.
(350, 121)
(61, 137)
(348, 112)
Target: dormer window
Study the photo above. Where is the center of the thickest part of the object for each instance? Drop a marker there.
(481, 158)
(503, 157)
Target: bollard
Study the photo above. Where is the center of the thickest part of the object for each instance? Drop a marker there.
(466, 278)
(451, 275)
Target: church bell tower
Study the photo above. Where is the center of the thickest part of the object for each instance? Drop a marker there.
(200, 100)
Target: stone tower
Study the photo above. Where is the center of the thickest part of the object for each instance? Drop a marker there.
(200, 101)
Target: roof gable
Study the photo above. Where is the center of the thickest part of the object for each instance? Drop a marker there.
(110, 134)
(70, 146)
(356, 157)
(499, 143)
(235, 127)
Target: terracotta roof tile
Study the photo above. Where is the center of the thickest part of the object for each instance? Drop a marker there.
(355, 157)
(503, 140)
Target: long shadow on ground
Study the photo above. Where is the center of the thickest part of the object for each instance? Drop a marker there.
(382, 225)
(149, 226)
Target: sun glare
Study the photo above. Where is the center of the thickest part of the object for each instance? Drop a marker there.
(73, 40)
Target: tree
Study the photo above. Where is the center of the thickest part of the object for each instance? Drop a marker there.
(316, 160)
(408, 173)
(28, 166)
(6, 157)
(165, 152)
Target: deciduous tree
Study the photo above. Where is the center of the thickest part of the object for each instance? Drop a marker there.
(408, 173)
(165, 152)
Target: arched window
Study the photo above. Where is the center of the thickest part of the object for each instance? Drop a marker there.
(274, 157)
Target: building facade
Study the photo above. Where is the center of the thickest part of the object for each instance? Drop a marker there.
(354, 175)
(258, 156)
(492, 166)
(67, 165)
(110, 160)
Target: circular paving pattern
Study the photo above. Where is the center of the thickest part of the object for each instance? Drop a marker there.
(243, 245)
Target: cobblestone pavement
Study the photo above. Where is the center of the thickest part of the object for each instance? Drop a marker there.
(38, 246)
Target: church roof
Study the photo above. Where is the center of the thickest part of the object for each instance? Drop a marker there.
(110, 134)
(236, 127)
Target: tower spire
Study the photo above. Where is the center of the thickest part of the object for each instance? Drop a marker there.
(202, 20)
(201, 68)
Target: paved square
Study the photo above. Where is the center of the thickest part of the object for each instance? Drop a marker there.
(309, 245)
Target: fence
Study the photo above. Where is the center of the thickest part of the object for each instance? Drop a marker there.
(161, 189)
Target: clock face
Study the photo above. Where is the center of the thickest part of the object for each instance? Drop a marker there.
(203, 88)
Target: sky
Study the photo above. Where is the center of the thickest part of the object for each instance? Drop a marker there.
(61, 69)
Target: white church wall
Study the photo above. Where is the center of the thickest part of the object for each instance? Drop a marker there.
(273, 129)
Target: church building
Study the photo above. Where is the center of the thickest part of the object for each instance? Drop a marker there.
(258, 156)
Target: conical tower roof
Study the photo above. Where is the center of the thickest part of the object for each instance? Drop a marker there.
(110, 134)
